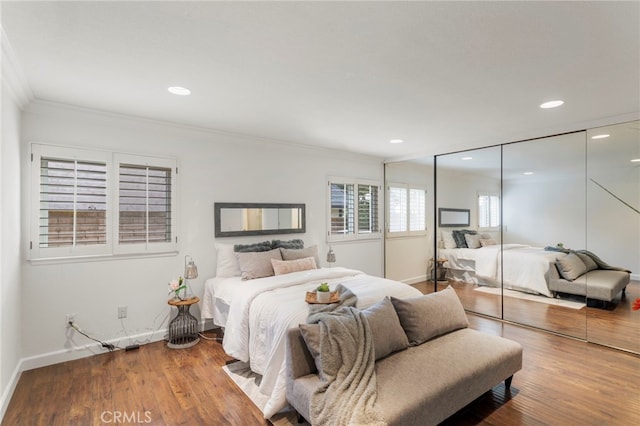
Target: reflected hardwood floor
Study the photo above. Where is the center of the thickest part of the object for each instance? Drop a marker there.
(563, 382)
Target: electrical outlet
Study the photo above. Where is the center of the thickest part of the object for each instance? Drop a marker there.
(122, 312)
(69, 318)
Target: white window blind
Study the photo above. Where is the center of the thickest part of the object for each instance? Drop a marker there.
(406, 210)
(354, 210)
(488, 210)
(72, 203)
(144, 204)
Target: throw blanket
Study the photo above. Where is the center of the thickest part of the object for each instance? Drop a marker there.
(347, 391)
(601, 263)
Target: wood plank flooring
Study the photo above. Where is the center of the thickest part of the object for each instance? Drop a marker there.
(563, 382)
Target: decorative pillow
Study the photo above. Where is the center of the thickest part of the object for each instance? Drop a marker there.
(311, 336)
(447, 238)
(588, 261)
(281, 267)
(226, 262)
(388, 335)
(570, 266)
(458, 236)
(246, 248)
(431, 315)
(257, 264)
(472, 240)
(292, 254)
(291, 244)
(488, 242)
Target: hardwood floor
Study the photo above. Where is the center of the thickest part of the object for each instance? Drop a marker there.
(563, 382)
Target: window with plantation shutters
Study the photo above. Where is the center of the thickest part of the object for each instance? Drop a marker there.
(406, 210)
(354, 210)
(144, 197)
(95, 203)
(73, 203)
(488, 211)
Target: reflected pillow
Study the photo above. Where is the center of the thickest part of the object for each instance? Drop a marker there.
(588, 261)
(472, 240)
(281, 267)
(488, 242)
(257, 264)
(447, 238)
(570, 266)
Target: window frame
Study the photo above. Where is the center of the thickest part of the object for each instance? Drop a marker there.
(111, 248)
(356, 235)
(408, 232)
(489, 194)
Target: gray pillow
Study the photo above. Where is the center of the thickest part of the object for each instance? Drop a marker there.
(295, 254)
(257, 264)
(246, 248)
(570, 266)
(388, 335)
(588, 261)
(291, 244)
(311, 335)
(431, 315)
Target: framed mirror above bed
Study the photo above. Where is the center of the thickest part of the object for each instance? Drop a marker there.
(240, 219)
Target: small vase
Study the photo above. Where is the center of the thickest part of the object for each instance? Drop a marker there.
(323, 296)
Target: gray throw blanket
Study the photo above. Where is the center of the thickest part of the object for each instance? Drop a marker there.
(347, 391)
(601, 263)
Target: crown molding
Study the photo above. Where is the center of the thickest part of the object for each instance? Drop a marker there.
(13, 78)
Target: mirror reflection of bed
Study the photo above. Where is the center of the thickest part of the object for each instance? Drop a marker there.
(550, 191)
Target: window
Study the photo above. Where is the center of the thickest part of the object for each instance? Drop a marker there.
(81, 210)
(406, 210)
(488, 211)
(353, 209)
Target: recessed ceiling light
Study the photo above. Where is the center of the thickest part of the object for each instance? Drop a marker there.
(636, 160)
(466, 158)
(602, 136)
(396, 141)
(527, 173)
(551, 104)
(177, 90)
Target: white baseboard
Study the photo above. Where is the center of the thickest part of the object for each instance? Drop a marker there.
(635, 277)
(8, 391)
(414, 280)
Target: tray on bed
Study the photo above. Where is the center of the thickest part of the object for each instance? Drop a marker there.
(311, 298)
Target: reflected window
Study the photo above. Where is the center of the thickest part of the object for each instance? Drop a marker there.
(407, 209)
(488, 211)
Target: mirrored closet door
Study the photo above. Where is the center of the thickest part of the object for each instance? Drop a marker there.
(543, 202)
(468, 226)
(613, 232)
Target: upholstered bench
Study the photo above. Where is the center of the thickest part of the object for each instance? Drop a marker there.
(427, 382)
(598, 284)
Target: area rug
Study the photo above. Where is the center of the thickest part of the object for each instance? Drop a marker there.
(249, 382)
(532, 297)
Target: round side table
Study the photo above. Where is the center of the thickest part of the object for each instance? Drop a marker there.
(183, 329)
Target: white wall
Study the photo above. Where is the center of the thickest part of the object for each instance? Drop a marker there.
(407, 258)
(213, 166)
(10, 279)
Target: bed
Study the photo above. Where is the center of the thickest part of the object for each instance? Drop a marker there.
(522, 267)
(256, 314)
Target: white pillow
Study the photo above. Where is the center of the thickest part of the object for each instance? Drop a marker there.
(281, 267)
(473, 241)
(449, 242)
(227, 262)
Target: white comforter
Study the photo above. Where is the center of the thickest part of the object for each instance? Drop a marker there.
(264, 309)
(519, 266)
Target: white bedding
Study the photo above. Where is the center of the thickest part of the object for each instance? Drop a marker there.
(262, 310)
(524, 268)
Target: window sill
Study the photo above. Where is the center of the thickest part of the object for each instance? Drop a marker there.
(97, 258)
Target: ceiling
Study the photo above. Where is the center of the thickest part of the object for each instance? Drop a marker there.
(442, 76)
